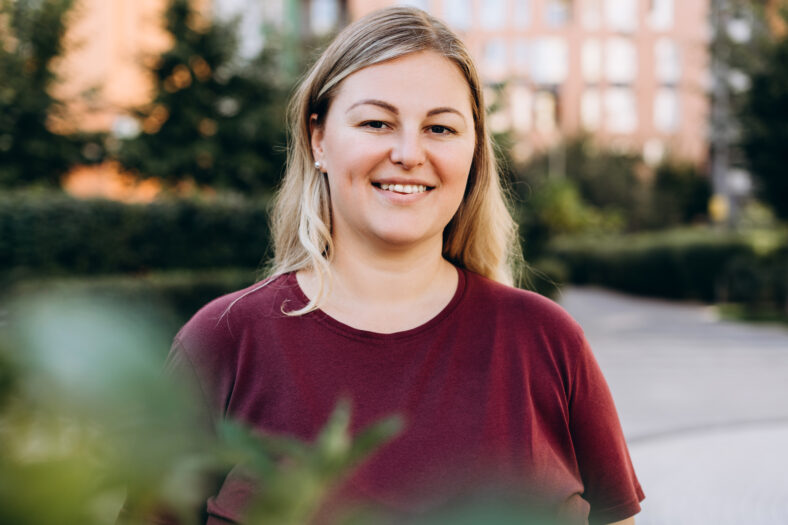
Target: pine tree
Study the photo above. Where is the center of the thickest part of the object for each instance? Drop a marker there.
(31, 36)
(211, 121)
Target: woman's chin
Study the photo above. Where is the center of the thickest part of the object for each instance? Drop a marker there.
(406, 239)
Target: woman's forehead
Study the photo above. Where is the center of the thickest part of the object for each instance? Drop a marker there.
(423, 79)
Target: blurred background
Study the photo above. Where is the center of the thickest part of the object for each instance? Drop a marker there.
(643, 142)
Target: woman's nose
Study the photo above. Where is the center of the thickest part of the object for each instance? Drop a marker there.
(408, 150)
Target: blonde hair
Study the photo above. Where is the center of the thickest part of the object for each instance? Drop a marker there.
(481, 237)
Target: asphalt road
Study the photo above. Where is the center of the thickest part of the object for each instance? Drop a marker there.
(703, 402)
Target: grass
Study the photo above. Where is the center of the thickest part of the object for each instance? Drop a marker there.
(740, 312)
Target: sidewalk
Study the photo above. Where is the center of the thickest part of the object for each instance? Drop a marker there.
(703, 402)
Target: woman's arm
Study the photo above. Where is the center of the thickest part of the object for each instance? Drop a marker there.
(628, 521)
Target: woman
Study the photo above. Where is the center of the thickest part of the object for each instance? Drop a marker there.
(391, 285)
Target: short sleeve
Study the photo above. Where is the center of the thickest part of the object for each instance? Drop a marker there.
(611, 487)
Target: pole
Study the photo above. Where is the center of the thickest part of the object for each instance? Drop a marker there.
(723, 205)
(292, 34)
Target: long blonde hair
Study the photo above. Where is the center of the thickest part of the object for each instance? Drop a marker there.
(481, 237)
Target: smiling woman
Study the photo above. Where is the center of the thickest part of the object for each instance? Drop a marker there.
(391, 285)
(397, 165)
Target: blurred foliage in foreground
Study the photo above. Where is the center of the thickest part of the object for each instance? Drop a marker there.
(88, 421)
(90, 429)
(183, 291)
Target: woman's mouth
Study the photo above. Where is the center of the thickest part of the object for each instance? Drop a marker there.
(403, 188)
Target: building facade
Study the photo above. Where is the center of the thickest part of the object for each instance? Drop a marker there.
(632, 73)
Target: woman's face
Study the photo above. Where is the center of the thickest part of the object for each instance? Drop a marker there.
(397, 146)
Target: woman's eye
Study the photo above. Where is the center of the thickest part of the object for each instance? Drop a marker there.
(441, 130)
(374, 124)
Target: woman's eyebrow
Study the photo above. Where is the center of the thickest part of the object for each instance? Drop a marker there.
(374, 102)
(447, 109)
(388, 107)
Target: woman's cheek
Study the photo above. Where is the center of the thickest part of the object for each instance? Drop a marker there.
(456, 159)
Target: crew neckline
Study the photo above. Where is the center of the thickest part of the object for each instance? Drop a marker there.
(357, 333)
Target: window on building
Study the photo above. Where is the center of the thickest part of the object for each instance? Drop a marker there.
(592, 14)
(324, 15)
(621, 15)
(421, 4)
(620, 110)
(591, 58)
(495, 63)
(520, 104)
(545, 111)
(550, 59)
(591, 109)
(666, 110)
(660, 14)
(522, 13)
(667, 62)
(250, 37)
(457, 13)
(653, 152)
(739, 29)
(557, 12)
(522, 56)
(499, 120)
(494, 14)
(273, 12)
(620, 61)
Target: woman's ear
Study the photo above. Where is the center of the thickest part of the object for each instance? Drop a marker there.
(316, 138)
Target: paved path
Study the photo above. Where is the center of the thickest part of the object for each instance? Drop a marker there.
(703, 402)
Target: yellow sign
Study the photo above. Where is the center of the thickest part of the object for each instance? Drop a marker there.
(719, 207)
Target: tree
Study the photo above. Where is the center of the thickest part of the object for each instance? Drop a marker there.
(211, 121)
(679, 195)
(765, 134)
(31, 36)
(605, 179)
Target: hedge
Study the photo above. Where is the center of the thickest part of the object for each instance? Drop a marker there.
(48, 234)
(678, 264)
(759, 284)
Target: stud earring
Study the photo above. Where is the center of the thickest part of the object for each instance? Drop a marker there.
(318, 165)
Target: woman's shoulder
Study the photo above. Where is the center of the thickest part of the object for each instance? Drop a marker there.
(223, 317)
(520, 305)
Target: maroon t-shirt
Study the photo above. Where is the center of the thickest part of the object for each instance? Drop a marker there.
(500, 385)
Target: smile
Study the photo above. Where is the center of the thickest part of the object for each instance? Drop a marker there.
(403, 188)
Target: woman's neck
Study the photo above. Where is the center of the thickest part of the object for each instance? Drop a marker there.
(387, 292)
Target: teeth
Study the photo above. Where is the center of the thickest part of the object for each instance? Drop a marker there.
(404, 188)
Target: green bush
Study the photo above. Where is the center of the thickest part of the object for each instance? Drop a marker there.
(676, 264)
(46, 234)
(604, 180)
(758, 283)
(680, 195)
